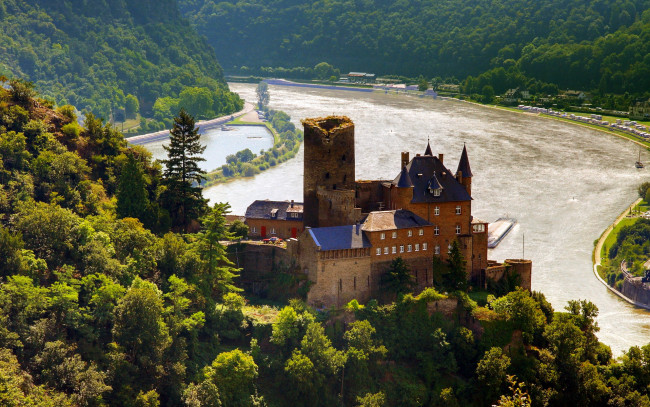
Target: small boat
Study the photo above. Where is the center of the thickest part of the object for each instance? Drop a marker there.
(226, 128)
(498, 230)
(639, 164)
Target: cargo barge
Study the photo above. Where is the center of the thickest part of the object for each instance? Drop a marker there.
(498, 230)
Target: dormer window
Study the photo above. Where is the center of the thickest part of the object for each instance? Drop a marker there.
(437, 191)
(274, 213)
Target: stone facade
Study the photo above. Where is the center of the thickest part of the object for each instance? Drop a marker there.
(329, 166)
(355, 229)
(337, 276)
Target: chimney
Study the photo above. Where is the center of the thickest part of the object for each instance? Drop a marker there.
(441, 157)
(405, 158)
(292, 203)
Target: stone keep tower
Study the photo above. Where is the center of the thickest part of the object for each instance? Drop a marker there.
(329, 179)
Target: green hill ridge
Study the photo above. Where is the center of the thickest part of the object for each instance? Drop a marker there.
(580, 44)
(94, 54)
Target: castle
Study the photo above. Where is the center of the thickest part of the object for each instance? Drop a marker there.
(353, 229)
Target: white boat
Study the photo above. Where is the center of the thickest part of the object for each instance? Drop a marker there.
(498, 230)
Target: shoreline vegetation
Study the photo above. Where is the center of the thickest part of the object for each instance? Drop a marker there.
(600, 258)
(245, 163)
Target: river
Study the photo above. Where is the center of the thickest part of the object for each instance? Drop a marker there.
(564, 183)
(221, 143)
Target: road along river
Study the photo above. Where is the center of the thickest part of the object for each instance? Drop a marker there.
(565, 184)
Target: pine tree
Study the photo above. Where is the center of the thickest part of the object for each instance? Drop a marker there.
(182, 176)
(219, 271)
(131, 191)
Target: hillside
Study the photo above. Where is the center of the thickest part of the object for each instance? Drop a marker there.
(102, 305)
(570, 43)
(94, 54)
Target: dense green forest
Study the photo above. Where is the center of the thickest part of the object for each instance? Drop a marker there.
(602, 44)
(116, 291)
(94, 54)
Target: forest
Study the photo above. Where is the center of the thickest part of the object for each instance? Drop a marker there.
(590, 45)
(117, 291)
(112, 57)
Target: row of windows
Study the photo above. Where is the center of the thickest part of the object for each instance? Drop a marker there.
(409, 248)
(409, 233)
(436, 232)
(436, 210)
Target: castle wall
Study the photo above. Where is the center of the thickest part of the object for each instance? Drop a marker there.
(635, 290)
(258, 263)
(370, 195)
(524, 269)
(336, 207)
(328, 161)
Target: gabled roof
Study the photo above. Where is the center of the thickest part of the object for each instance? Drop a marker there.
(273, 210)
(404, 179)
(421, 169)
(339, 237)
(463, 165)
(434, 183)
(390, 220)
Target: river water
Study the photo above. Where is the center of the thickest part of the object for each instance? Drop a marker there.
(564, 183)
(220, 143)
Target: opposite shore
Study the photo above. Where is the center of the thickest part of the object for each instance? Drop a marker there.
(598, 251)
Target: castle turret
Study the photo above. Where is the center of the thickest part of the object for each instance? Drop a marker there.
(428, 150)
(404, 190)
(329, 178)
(464, 172)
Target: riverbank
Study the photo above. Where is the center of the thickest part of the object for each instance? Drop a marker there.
(245, 163)
(202, 124)
(597, 256)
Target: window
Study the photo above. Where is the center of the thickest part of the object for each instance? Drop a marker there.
(417, 247)
(436, 192)
(379, 251)
(253, 229)
(436, 210)
(401, 248)
(409, 248)
(382, 236)
(479, 228)
(421, 232)
(449, 249)
(394, 235)
(424, 246)
(394, 249)
(410, 233)
(385, 250)
(436, 250)
(436, 230)
(272, 231)
(457, 209)
(458, 229)
(340, 285)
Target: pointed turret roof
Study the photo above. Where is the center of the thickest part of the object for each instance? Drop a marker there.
(404, 179)
(463, 165)
(434, 183)
(428, 150)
